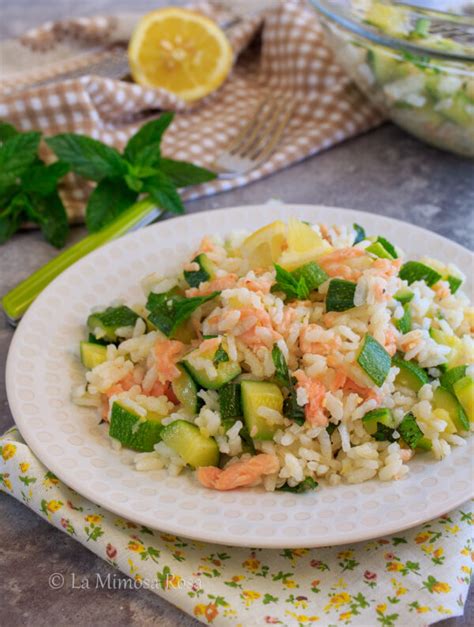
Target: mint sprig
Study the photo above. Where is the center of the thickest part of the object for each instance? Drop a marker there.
(28, 187)
(121, 177)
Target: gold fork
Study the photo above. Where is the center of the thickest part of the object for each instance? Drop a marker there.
(257, 139)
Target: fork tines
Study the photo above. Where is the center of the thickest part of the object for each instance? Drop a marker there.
(258, 138)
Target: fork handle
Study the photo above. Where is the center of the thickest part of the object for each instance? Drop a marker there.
(17, 300)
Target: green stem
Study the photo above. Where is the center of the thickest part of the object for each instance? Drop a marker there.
(17, 301)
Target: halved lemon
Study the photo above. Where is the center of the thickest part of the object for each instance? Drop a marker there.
(181, 51)
(264, 246)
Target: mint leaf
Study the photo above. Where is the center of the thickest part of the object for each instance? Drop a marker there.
(164, 193)
(11, 218)
(304, 486)
(183, 174)
(144, 147)
(170, 310)
(220, 356)
(282, 374)
(108, 200)
(6, 131)
(360, 233)
(50, 214)
(294, 286)
(43, 179)
(88, 157)
(17, 154)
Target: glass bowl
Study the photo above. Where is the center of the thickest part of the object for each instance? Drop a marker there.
(415, 64)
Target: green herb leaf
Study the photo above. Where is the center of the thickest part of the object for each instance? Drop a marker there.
(220, 356)
(304, 486)
(51, 217)
(183, 174)
(88, 157)
(360, 233)
(291, 409)
(108, 200)
(164, 193)
(422, 27)
(286, 282)
(17, 154)
(144, 147)
(170, 310)
(43, 179)
(383, 433)
(282, 374)
(410, 431)
(6, 131)
(11, 218)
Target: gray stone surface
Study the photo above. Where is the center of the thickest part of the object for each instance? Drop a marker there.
(384, 172)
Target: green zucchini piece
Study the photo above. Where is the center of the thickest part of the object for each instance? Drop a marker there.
(313, 275)
(340, 296)
(93, 340)
(456, 356)
(186, 391)
(403, 324)
(379, 250)
(257, 394)
(374, 360)
(379, 423)
(110, 320)
(449, 378)
(454, 283)
(464, 391)
(404, 295)
(443, 399)
(92, 354)
(229, 401)
(134, 431)
(411, 375)
(416, 271)
(206, 271)
(411, 433)
(185, 439)
(225, 372)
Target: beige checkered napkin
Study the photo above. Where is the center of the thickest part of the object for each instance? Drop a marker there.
(293, 60)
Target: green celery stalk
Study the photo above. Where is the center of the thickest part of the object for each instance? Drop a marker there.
(17, 300)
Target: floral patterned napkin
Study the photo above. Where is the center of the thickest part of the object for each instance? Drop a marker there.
(415, 578)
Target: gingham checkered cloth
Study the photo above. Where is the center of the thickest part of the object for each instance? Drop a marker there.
(293, 61)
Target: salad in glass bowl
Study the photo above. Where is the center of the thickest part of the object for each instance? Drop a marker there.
(415, 64)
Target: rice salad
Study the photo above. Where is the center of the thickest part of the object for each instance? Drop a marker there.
(289, 356)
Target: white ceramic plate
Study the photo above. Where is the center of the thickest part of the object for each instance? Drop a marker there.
(43, 365)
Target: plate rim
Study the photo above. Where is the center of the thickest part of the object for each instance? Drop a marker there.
(82, 488)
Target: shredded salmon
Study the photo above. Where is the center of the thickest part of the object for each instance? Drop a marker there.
(390, 342)
(250, 337)
(206, 246)
(216, 285)
(256, 286)
(387, 268)
(336, 263)
(318, 348)
(316, 391)
(365, 392)
(238, 475)
(210, 345)
(167, 354)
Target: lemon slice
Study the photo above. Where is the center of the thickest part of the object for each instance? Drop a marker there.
(263, 247)
(181, 51)
(304, 245)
